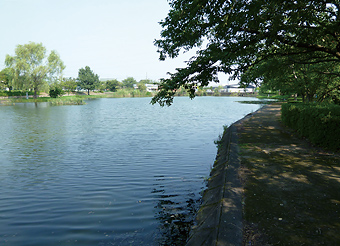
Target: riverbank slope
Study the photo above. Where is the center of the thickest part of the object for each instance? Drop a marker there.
(269, 187)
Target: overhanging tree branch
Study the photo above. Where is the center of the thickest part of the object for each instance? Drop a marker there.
(242, 35)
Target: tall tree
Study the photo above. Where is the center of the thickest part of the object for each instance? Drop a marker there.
(87, 79)
(32, 68)
(306, 79)
(129, 82)
(56, 68)
(69, 84)
(113, 85)
(234, 36)
(146, 81)
(6, 77)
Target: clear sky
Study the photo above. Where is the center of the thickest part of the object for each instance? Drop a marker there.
(113, 37)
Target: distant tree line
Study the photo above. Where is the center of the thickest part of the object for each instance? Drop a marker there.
(30, 69)
(88, 80)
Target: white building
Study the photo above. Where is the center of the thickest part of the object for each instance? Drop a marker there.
(151, 87)
(235, 88)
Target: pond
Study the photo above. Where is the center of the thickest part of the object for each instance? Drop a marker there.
(111, 172)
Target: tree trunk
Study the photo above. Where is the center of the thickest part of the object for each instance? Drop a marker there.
(88, 92)
(35, 93)
(303, 97)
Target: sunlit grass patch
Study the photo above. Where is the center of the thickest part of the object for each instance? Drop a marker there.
(67, 101)
(72, 100)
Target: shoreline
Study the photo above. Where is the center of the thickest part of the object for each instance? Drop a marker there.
(219, 219)
(269, 187)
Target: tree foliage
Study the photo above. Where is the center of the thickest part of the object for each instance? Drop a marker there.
(129, 82)
(113, 85)
(235, 36)
(308, 80)
(56, 68)
(141, 86)
(55, 90)
(146, 81)
(87, 79)
(69, 84)
(6, 78)
(31, 67)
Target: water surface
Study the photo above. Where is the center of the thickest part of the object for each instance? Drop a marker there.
(111, 172)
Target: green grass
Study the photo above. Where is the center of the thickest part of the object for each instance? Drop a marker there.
(281, 98)
(54, 101)
(67, 101)
(79, 98)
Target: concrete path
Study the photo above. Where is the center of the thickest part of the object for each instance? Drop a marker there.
(279, 162)
(219, 220)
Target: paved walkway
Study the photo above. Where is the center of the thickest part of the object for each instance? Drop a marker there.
(297, 183)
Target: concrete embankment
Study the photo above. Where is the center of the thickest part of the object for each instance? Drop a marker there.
(289, 195)
(219, 220)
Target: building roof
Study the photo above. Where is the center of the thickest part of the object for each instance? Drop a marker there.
(238, 86)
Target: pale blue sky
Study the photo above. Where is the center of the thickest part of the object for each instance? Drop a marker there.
(113, 37)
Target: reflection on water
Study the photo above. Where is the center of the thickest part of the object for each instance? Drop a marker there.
(176, 214)
(176, 220)
(112, 172)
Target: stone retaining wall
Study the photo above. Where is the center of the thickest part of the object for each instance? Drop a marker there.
(219, 220)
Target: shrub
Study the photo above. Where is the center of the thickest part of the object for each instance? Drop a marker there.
(14, 93)
(318, 122)
(55, 91)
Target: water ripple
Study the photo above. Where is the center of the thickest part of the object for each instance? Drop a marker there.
(112, 172)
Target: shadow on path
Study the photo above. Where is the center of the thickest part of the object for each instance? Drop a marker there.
(292, 190)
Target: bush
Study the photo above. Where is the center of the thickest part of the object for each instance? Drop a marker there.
(318, 122)
(15, 93)
(55, 91)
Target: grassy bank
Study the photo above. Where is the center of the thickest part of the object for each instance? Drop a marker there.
(280, 98)
(73, 98)
(53, 101)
